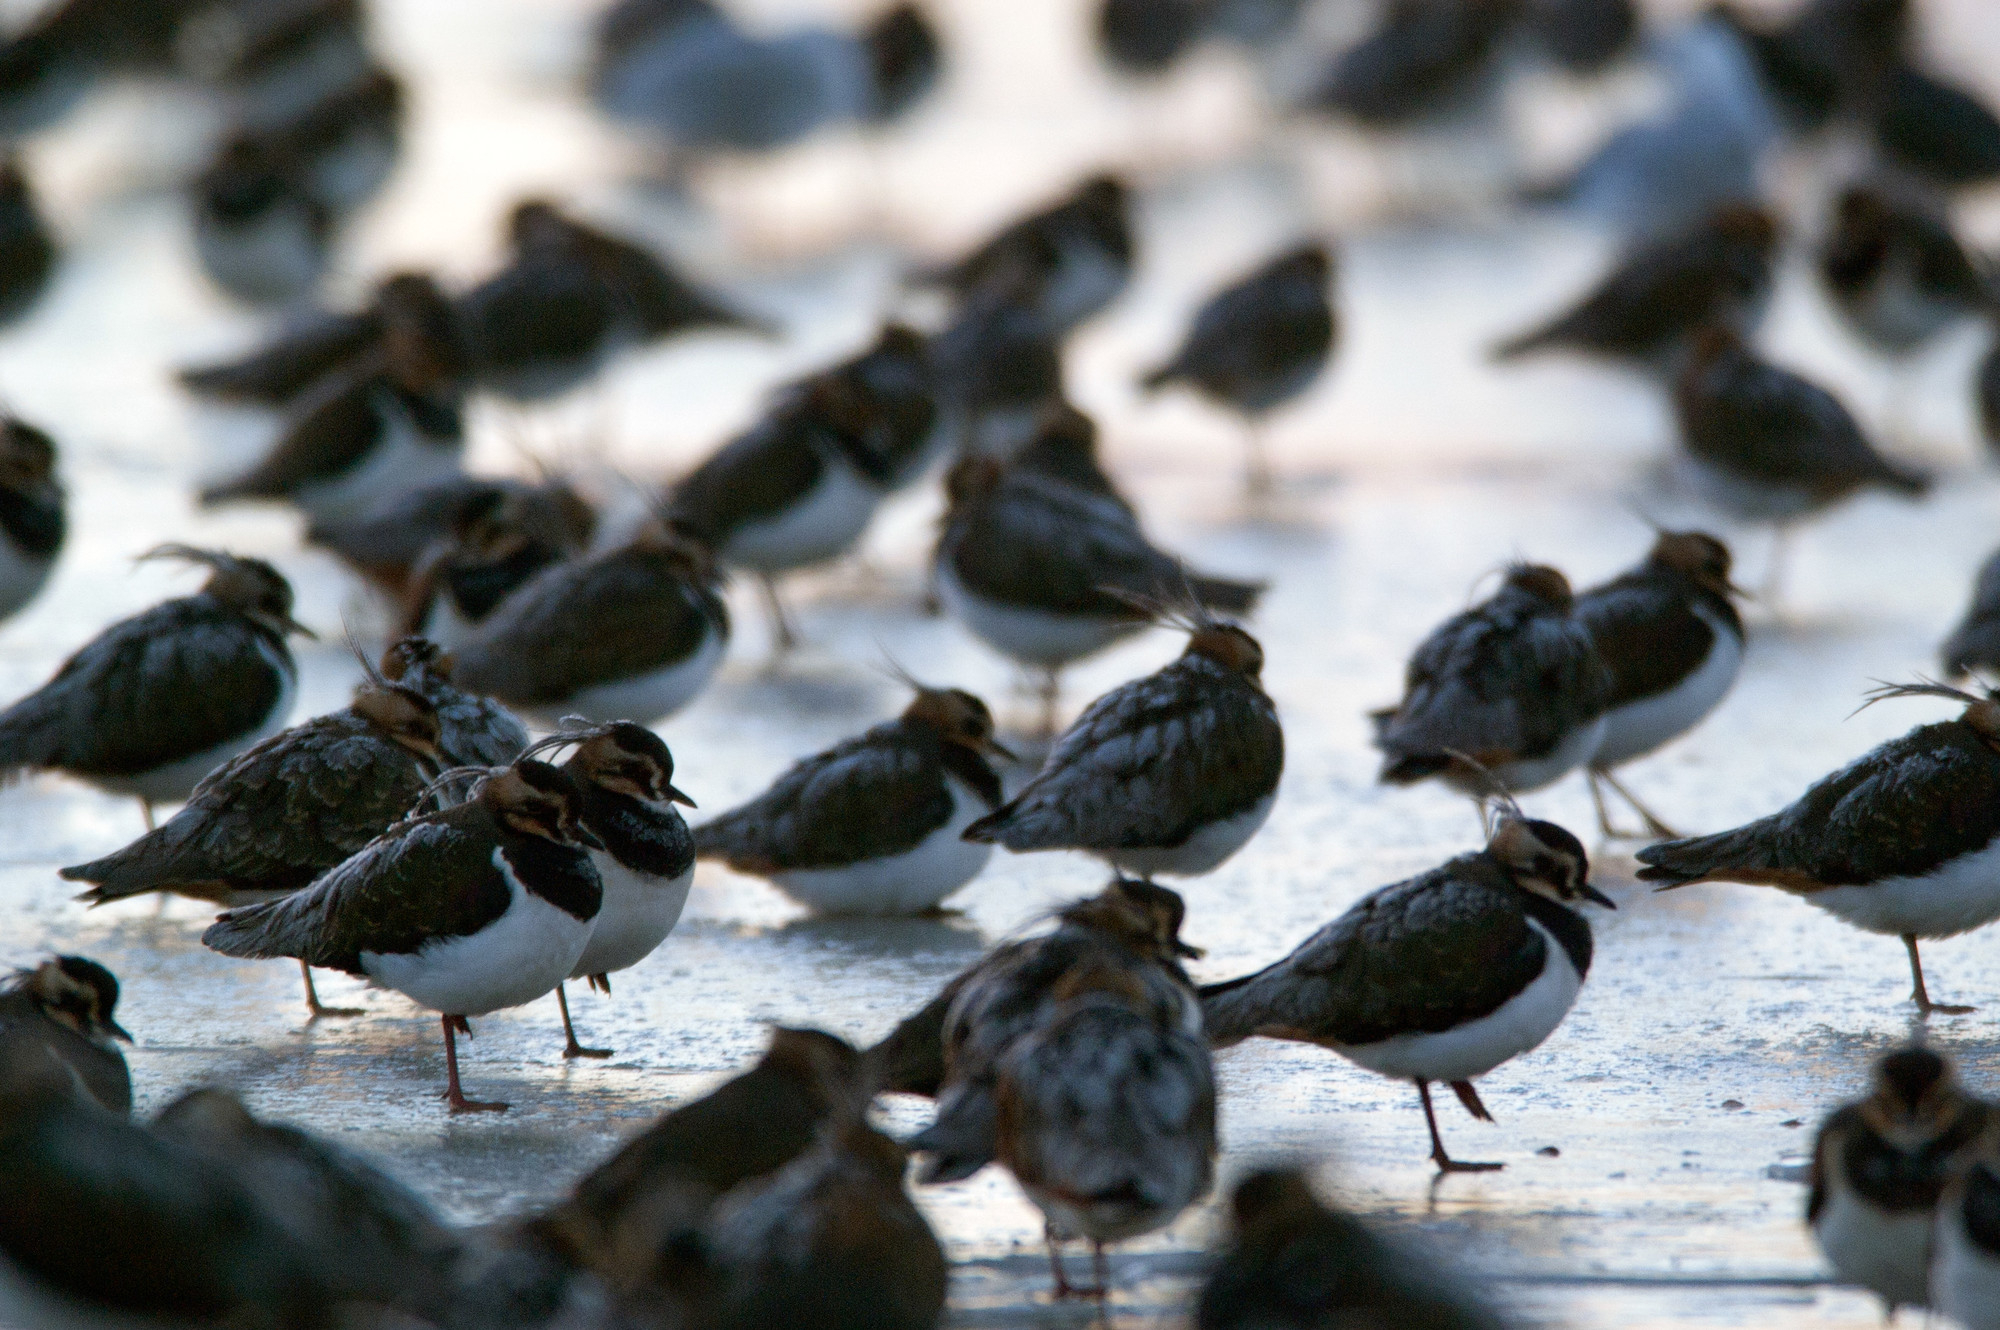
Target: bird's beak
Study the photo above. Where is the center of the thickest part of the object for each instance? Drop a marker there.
(1192, 953)
(117, 1031)
(1591, 893)
(583, 836)
(999, 750)
(675, 796)
(294, 626)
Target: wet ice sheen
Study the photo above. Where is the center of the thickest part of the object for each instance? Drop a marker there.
(1416, 471)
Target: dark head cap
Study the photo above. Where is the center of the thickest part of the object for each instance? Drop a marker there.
(402, 714)
(79, 993)
(1543, 858)
(1228, 646)
(1313, 261)
(1544, 583)
(27, 455)
(1272, 1195)
(629, 759)
(1697, 555)
(904, 58)
(957, 716)
(1145, 915)
(536, 799)
(249, 586)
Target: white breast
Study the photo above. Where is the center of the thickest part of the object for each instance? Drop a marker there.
(905, 883)
(644, 697)
(172, 783)
(821, 526)
(512, 961)
(1965, 1278)
(1637, 728)
(1202, 852)
(1887, 1252)
(402, 459)
(1467, 1051)
(1956, 897)
(639, 911)
(1534, 773)
(20, 577)
(1033, 637)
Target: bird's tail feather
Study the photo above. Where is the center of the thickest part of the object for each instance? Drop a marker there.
(1676, 863)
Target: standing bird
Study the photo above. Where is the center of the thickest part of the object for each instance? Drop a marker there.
(831, 1240)
(487, 904)
(27, 251)
(1047, 571)
(1903, 840)
(1172, 773)
(1259, 343)
(272, 819)
(157, 701)
(473, 731)
(389, 421)
(1896, 273)
(626, 778)
(1765, 444)
(997, 366)
(65, 1006)
(1441, 977)
(800, 486)
(572, 299)
(706, 86)
(299, 353)
(1669, 634)
(1514, 684)
(258, 231)
(1106, 1116)
(953, 1048)
(33, 521)
(874, 825)
(1292, 1262)
(497, 538)
(1879, 1168)
(1965, 1269)
(1975, 643)
(634, 632)
(1647, 308)
(1075, 254)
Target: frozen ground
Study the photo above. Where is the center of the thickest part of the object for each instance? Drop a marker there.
(1650, 1144)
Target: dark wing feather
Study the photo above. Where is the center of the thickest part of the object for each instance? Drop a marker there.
(273, 819)
(1422, 955)
(286, 366)
(422, 880)
(178, 679)
(586, 622)
(1646, 632)
(877, 794)
(760, 473)
(330, 430)
(1901, 810)
(547, 307)
(1148, 764)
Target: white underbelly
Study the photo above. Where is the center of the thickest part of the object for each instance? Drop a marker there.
(401, 460)
(823, 525)
(1965, 1278)
(514, 960)
(1886, 1252)
(1202, 852)
(1637, 728)
(1032, 637)
(1955, 898)
(1533, 773)
(1477, 1047)
(21, 577)
(905, 883)
(638, 913)
(643, 698)
(1742, 498)
(172, 783)
(273, 258)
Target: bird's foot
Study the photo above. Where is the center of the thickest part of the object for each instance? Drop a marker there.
(576, 1050)
(1925, 1007)
(314, 1011)
(1446, 1164)
(460, 1104)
